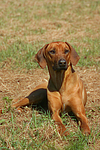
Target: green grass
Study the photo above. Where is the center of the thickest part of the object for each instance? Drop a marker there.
(89, 55)
(19, 54)
(23, 19)
(39, 132)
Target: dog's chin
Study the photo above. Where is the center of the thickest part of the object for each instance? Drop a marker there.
(59, 68)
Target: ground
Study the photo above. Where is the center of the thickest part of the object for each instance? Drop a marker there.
(14, 85)
(25, 27)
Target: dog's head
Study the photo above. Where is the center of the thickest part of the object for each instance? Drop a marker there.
(57, 54)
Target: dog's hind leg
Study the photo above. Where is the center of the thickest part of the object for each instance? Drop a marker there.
(38, 94)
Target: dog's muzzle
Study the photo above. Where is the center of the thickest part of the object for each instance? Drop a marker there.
(62, 65)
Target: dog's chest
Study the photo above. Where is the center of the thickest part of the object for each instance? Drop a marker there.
(68, 92)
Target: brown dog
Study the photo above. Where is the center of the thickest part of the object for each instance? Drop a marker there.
(64, 90)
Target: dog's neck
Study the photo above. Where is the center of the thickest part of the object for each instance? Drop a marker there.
(57, 77)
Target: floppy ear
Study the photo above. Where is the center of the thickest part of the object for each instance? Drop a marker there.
(74, 57)
(40, 58)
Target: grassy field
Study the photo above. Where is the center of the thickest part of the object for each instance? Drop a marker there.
(25, 27)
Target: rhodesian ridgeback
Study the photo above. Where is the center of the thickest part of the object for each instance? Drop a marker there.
(65, 90)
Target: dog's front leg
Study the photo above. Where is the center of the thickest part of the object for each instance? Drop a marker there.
(78, 109)
(55, 106)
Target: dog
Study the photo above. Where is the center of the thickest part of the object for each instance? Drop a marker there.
(65, 90)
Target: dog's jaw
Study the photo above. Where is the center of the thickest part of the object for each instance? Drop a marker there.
(57, 77)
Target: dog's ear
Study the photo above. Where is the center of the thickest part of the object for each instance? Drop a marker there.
(74, 57)
(40, 58)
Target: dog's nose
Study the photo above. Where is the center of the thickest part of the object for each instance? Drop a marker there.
(62, 62)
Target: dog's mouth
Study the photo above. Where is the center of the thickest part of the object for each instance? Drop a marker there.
(61, 65)
(59, 68)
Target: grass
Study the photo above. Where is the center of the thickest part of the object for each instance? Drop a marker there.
(39, 132)
(25, 27)
(23, 22)
(19, 54)
(90, 54)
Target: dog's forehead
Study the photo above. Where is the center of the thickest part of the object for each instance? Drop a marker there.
(58, 45)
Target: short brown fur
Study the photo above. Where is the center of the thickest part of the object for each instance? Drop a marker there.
(65, 90)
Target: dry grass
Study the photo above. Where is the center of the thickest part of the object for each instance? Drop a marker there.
(25, 26)
(35, 125)
(60, 20)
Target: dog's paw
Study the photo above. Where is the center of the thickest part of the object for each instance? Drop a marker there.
(19, 110)
(62, 131)
(86, 132)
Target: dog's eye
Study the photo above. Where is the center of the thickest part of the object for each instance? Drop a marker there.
(66, 51)
(52, 51)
